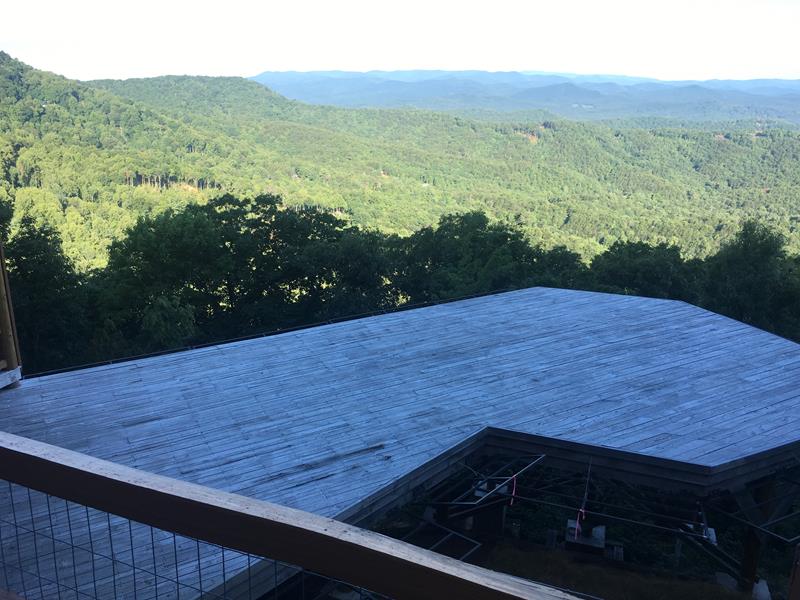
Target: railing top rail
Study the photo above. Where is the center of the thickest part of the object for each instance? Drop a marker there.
(317, 543)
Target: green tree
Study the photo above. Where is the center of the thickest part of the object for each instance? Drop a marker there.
(234, 267)
(638, 268)
(49, 299)
(751, 279)
(464, 255)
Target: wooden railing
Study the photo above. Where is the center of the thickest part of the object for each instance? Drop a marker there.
(316, 543)
(9, 346)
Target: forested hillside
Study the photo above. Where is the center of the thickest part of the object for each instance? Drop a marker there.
(236, 267)
(90, 158)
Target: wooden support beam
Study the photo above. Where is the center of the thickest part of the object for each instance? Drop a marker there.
(316, 543)
(756, 504)
(9, 346)
(794, 577)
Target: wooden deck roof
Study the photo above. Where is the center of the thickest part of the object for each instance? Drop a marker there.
(322, 418)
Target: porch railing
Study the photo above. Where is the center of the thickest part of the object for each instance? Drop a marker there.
(74, 526)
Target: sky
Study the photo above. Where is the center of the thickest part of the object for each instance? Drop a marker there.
(664, 39)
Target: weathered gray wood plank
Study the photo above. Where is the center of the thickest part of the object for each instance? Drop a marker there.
(322, 418)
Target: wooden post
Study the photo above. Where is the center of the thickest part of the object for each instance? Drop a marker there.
(9, 347)
(757, 506)
(750, 556)
(794, 578)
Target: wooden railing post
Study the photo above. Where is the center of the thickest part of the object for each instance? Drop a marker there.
(794, 577)
(9, 347)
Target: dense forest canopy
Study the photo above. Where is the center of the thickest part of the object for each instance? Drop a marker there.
(89, 159)
(144, 215)
(235, 267)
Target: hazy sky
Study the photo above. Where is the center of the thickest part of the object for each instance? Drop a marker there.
(668, 39)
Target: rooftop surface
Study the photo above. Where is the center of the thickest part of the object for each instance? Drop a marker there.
(321, 418)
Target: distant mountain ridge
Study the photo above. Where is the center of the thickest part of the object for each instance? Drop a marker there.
(572, 96)
(89, 158)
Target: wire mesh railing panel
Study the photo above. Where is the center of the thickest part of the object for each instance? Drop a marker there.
(51, 548)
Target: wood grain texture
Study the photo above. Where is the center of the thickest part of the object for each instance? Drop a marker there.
(320, 418)
(323, 418)
(321, 544)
